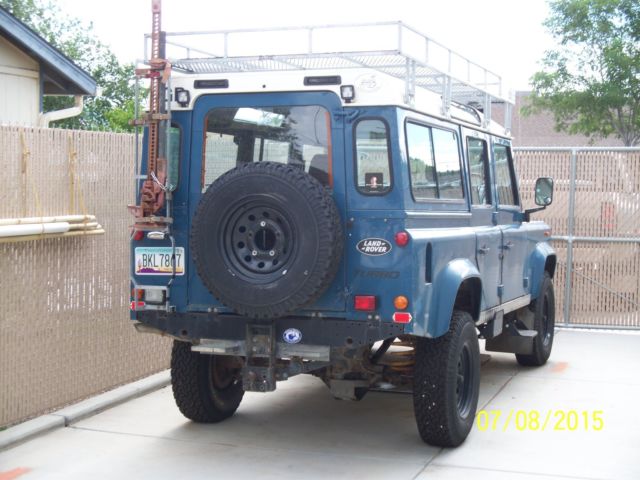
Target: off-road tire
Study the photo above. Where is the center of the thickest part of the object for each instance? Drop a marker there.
(445, 408)
(201, 395)
(266, 239)
(543, 309)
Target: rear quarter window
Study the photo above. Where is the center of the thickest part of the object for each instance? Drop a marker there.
(373, 168)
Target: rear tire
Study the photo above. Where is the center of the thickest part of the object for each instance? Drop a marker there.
(446, 383)
(544, 312)
(206, 388)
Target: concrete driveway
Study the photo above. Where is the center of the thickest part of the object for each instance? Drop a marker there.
(300, 431)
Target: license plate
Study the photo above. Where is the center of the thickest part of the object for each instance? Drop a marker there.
(157, 261)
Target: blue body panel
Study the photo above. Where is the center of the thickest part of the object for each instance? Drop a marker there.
(445, 236)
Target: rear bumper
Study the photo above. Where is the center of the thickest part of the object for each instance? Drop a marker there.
(196, 326)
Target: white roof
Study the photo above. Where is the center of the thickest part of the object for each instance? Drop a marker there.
(388, 64)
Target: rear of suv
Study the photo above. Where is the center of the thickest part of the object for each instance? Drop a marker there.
(345, 222)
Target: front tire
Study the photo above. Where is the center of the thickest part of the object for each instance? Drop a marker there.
(206, 388)
(446, 383)
(544, 323)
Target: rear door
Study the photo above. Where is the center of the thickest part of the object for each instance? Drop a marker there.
(301, 129)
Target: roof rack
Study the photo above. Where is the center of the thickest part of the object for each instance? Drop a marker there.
(392, 48)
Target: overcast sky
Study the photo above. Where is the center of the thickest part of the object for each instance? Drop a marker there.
(505, 36)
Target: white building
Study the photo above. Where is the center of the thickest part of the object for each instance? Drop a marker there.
(31, 68)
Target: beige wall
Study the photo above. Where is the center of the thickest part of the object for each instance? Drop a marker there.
(19, 86)
(65, 332)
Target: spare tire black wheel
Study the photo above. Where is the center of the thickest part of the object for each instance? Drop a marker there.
(266, 239)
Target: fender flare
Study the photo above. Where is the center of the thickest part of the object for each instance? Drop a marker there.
(542, 258)
(448, 283)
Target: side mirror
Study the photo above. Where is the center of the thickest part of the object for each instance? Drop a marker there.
(544, 191)
(544, 196)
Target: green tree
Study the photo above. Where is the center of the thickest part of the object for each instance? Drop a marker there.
(591, 81)
(114, 106)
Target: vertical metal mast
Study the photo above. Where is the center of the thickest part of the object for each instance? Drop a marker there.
(152, 195)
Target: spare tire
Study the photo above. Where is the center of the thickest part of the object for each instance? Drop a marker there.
(266, 239)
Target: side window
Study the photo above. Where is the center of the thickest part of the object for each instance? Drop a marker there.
(505, 178)
(295, 135)
(434, 162)
(173, 167)
(479, 171)
(445, 148)
(423, 174)
(373, 169)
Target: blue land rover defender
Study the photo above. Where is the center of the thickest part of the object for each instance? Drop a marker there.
(354, 216)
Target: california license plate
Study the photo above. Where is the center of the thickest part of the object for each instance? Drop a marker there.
(157, 261)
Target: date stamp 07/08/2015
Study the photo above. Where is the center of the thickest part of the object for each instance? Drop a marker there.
(540, 421)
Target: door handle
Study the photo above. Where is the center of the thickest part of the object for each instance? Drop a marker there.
(483, 250)
(507, 246)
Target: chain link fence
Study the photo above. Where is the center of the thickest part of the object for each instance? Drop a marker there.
(595, 220)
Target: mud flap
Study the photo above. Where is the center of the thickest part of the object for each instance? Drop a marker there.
(514, 339)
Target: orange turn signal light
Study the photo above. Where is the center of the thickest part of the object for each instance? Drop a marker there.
(137, 294)
(401, 302)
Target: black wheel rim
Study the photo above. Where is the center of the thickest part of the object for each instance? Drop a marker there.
(258, 240)
(464, 382)
(225, 372)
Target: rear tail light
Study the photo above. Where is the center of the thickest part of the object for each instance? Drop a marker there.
(137, 305)
(138, 235)
(365, 303)
(402, 239)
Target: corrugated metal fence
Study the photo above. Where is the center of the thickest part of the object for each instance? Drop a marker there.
(595, 219)
(64, 302)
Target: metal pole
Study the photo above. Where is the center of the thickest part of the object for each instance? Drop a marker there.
(570, 227)
(136, 114)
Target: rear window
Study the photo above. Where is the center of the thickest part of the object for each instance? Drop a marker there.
(296, 135)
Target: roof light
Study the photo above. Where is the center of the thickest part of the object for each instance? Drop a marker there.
(183, 97)
(348, 93)
(402, 239)
(364, 303)
(402, 317)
